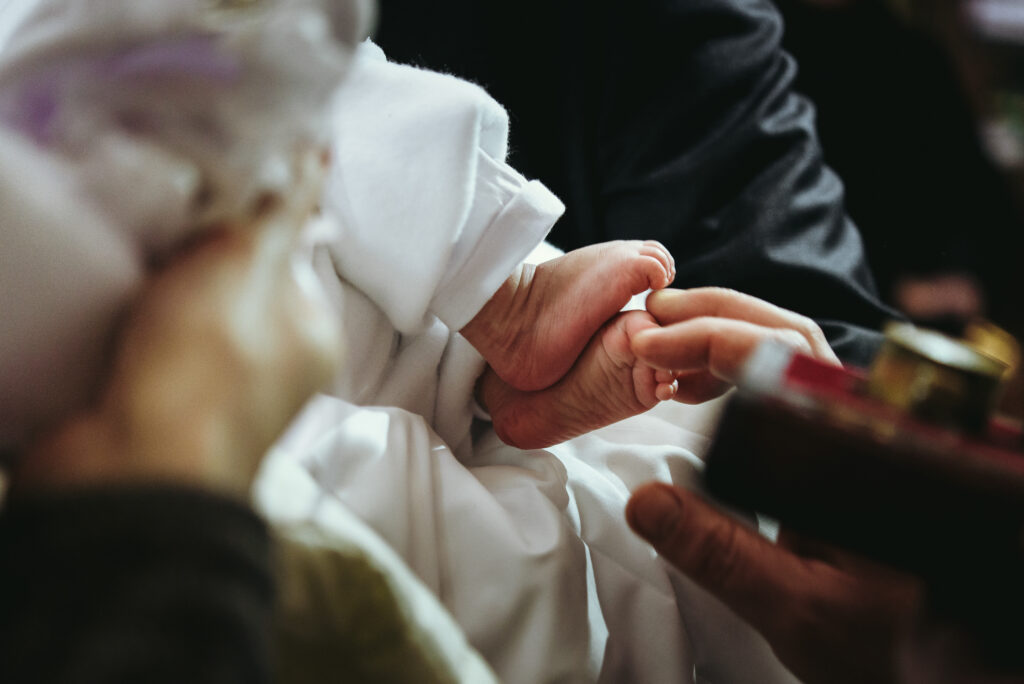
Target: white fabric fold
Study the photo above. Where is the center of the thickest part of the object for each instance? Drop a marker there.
(427, 220)
(431, 219)
(308, 517)
(530, 550)
(473, 278)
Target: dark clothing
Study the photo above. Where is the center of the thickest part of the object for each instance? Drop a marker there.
(134, 585)
(665, 120)
(896, 126)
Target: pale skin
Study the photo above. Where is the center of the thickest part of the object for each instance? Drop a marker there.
(559, 353)
(633, 362)
(705, 334)
(535, 326)
(605, 385)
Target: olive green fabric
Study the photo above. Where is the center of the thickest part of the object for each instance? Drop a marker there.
(349, 609)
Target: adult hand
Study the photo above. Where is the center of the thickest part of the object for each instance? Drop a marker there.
(709, 332)
(217, 356)
(831, 618)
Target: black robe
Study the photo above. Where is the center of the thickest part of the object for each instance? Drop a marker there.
(666, 120)
(897, 126)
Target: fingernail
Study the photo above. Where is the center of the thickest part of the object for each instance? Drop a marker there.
(655, 513)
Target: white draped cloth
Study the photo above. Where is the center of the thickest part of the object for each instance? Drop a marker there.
(528, 550)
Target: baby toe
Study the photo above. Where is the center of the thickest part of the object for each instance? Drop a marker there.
(665, 391)
(661, 253)
(660, 268)
(645, 387)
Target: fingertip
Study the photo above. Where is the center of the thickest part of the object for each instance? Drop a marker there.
(661, 302)
(650, 346)
(640, 341)
(655, 298)
(654, 512)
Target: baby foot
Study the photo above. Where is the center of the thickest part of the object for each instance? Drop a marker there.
(533, 329)
(607, 384)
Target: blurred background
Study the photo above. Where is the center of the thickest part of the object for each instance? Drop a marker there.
(921, 112)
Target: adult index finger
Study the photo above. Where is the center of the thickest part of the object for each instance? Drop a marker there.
(673, 306)
(718, 345)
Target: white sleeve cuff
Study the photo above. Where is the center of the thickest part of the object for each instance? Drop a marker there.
(510, 217)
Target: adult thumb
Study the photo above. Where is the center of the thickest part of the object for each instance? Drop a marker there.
(732, 561)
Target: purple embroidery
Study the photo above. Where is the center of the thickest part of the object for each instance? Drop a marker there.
(34, 111)
(33, 107)
(190, 57)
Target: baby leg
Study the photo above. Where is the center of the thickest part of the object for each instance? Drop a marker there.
(534, 328)
(607, 384)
